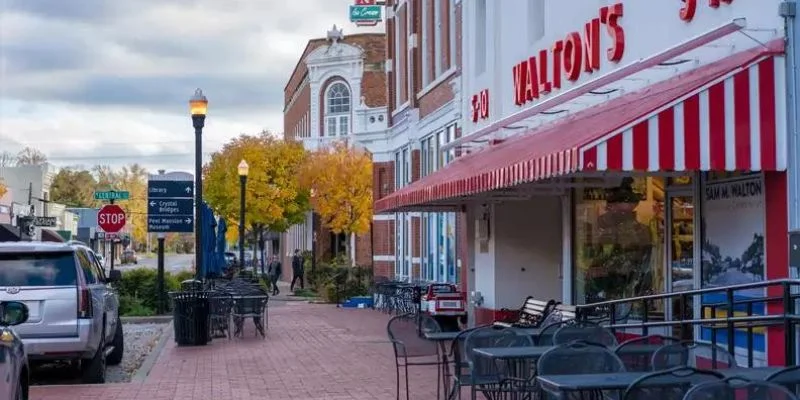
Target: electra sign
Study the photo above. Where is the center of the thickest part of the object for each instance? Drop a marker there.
(569, 57)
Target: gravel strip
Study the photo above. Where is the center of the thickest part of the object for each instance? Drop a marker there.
(140, 340)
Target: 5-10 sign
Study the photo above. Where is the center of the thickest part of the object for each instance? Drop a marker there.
(111, 218)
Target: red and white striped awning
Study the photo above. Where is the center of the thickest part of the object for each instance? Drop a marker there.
(728, 115)
(731, 124)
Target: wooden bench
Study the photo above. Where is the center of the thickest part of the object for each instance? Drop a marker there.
(567, 311)
(531, 314)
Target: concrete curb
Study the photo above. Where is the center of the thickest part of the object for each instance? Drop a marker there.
(150, 361)
(293, 298)
(156, 319)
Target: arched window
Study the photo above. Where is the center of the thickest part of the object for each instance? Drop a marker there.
(337, 109)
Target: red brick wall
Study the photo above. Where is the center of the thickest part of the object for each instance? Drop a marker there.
(364, 249)
(384, 268)
(293, 115)
(436, 98)
(384, 237)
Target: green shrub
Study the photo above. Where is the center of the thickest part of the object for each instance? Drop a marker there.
(137, 289)
(338, 280)
(134, 307)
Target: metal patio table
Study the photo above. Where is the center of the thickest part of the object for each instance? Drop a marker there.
(558, 385)
(443, 339)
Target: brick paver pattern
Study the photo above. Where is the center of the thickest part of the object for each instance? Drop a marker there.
(312, 352)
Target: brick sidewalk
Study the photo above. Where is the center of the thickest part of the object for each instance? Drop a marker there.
(312, 352)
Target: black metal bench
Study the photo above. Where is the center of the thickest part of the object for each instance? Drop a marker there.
(531, 314)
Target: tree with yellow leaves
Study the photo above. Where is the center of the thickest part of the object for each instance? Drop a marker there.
(3, 188)
(340, 180)
(274, 199)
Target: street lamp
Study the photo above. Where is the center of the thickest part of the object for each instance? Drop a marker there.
(243, 170)
(198, 106)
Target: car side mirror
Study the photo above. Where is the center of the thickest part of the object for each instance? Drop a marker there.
(13, 313)
(114, 275)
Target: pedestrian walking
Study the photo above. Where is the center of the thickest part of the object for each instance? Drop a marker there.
(274, 271)
(298, 270)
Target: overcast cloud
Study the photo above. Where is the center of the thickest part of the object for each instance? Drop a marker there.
(107, 81)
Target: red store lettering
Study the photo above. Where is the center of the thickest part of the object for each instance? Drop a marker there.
(689, 8)
(570, 57)
(480, 105)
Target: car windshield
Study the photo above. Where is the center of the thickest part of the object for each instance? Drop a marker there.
(38, 269)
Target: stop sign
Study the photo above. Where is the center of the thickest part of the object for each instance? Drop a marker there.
(111, 218)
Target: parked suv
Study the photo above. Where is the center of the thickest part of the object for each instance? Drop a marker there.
(73, 312)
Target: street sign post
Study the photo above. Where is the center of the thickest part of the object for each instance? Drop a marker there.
(170, 203)
(112, 195)
(111, 218)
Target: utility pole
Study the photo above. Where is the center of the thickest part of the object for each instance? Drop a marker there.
(160, 275)
(30, 193)
(113, 245)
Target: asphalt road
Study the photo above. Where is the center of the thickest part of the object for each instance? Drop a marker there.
(172, 263)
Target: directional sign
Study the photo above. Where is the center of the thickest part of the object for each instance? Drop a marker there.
(47, 222)
(112, 195)
(170, 189)
(170, 203)
(169, 207)
(170, 224)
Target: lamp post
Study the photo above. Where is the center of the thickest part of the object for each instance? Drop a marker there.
(198, 106)
(243, 170)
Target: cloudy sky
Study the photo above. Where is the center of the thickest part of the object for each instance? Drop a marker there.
(107, 81)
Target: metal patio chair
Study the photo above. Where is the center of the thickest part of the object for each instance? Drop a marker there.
(578, 358)
(220, 310)
(637, 353)
(594, 334)
(254, 307)
(690, 353)
(788, 377)
(411, 349)
(487, 375)
(735, 388)
(657, 385)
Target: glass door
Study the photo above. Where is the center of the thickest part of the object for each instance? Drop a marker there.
(680, 257)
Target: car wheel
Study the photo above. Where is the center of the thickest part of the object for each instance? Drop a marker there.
(93, 370)
(119, 346)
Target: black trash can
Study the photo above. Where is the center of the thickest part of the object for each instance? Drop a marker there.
(191, 318)
(191, 285)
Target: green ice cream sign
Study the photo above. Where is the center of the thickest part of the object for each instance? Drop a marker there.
(365, 13)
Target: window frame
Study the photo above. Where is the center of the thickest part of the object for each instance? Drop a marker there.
(481, 32)
(425, 39)
(453, 33)
(338, 118)
(437, 38)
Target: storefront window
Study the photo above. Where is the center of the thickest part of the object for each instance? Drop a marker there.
(619, 241)
(452, 275)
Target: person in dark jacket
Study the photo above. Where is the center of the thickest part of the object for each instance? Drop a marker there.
(274, 271)
(297, 270)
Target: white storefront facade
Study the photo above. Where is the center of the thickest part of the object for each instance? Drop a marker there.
(618, 149)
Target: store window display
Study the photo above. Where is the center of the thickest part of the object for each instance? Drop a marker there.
(619, 241)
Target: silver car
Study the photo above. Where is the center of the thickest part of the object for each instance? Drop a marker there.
(14, 369)
(73, 310)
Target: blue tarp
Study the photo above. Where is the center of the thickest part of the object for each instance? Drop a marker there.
(222, 245)
(209, 239)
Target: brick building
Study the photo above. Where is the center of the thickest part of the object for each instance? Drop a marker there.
(336, 92)
(424, 106)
